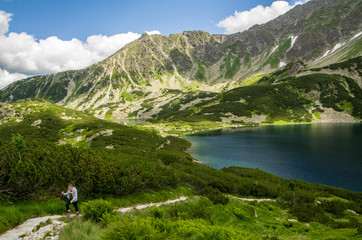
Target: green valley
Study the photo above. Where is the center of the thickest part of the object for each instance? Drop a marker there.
(138, 181)
(45, 146)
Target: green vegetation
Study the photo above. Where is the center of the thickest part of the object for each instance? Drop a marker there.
(13, 213)
(200, 73)
(280, 98)
(44, 146)
(81, 230)
(35, 167)
(42, 224)
(200, 218)
(97, 210)
(231, 65)
(274, 58)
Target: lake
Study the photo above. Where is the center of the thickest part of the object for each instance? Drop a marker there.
(329, 154)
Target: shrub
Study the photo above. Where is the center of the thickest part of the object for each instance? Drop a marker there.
(335, 207)
(97, 210)
(215, 195)
(308, 212)
(137, 228)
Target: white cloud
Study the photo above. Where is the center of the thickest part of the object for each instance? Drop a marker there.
(4, 22)
(22, 55)
(241, 21)
(7, 78)
(154, 32)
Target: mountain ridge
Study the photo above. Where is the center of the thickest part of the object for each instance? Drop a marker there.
(317, 33)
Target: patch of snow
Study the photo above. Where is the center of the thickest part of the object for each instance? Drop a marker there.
(275, 48)
(356, 36)
(294, 39)
(324, 55)
(338, 45)
(282, 64)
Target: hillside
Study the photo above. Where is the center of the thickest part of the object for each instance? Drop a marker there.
(136, 78)
(45, 146)
(305, 96)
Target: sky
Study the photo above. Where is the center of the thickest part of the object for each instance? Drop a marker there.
(47, 36)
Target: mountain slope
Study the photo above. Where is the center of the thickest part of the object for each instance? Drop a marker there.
(275, 98)
(36, 165)
(319, 32)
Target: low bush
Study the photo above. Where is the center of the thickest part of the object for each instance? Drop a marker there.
(129, 229)
(215, 195)
(97, 210)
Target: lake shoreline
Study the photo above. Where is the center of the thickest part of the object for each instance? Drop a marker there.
(260, 125)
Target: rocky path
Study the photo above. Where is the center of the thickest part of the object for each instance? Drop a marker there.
(28, 230)
(253, 199)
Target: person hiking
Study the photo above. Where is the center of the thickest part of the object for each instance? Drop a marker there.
(71, 190)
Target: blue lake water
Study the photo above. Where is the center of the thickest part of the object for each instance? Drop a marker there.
(329, 154)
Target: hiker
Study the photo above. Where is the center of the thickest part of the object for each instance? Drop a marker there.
(71, 190)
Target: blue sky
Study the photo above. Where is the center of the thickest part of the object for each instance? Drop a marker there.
(69, 19)
(47, 36)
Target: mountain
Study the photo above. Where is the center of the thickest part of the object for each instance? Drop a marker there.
(134, 81)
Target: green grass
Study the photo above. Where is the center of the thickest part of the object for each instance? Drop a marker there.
(42, 224)
(274, 58)
(231, 65)
(145, 167)
(81, 230)
(200, 73)
(12, 214)
(199, 218)
(278, 96)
